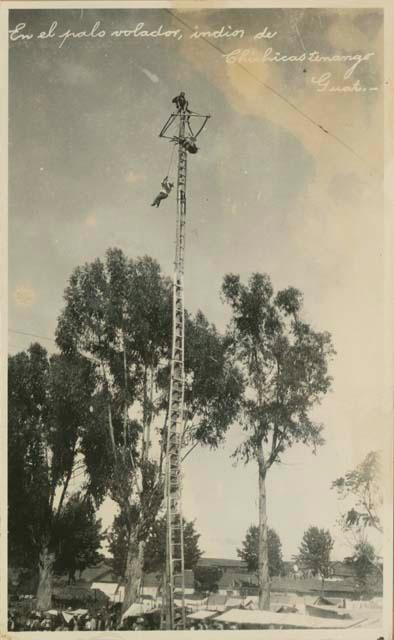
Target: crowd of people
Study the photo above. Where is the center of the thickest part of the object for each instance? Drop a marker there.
(80, 620)
(100, 620)
(211, 626)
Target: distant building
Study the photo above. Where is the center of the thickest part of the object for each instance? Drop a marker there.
(189, 582)
(216, 602)
(152, 584)
(341, 570)
(224, 564)
(238, 584)
(102, 572)
(113, 590)
(229, 584)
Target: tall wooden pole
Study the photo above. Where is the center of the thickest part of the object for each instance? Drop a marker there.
(175, 569)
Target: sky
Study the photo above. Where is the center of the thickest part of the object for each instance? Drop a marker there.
(287, 182)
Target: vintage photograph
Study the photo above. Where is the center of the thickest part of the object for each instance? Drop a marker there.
(197, 437)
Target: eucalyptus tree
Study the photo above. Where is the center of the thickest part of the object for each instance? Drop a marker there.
(79, 536)
(362, 486)
(155, 550)
(118, 313)
(49, 402)
(361, 492)
(284, 363)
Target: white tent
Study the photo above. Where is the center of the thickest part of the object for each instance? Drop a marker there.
(109, 588)
(201, 615)
(80, 612)
(137, 609)
(118, 596)
(192, 602)
(67, 616)
(280, 620)
(233, 601)
(250, 603)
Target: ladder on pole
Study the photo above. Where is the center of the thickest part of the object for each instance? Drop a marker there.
(175, 564)
(174, 556)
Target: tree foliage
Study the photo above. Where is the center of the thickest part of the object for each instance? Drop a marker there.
(155, 550)
(361, 492)
(49, 412)
(315, 550)
(362, 486)
(284, 363)
(364, 562)
(101, 404)
(118, 313)
(48, 421)
(213, 386)
(156, 546)
(28, 374)
(79, 536)
(250, 548)
(206, 579)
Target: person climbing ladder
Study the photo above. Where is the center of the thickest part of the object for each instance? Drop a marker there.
(166, 188)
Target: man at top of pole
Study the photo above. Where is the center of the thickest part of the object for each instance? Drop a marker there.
(181, 103)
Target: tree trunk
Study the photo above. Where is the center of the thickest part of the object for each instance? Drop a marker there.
(263, 570)
(134, 571)
(44, 590)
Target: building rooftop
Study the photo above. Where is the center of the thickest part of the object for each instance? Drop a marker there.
(100, 573)
(221, 562)
(155, 580)
(233, 579)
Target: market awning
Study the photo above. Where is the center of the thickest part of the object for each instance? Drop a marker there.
(67, 616)
(79, 612)
(201, 615)
(137, 609)
(280, 620)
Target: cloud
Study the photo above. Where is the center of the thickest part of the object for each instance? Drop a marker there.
(246, 90)
(335, 228)
(339, 207)
(24, 296)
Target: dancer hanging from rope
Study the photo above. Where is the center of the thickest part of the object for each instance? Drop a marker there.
(166, 188)
(166, 185)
